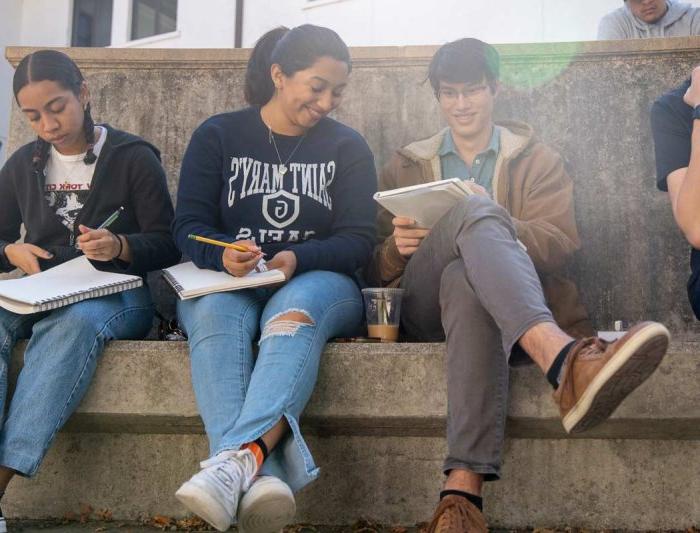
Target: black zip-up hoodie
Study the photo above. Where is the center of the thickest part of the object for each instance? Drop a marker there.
(128, 173)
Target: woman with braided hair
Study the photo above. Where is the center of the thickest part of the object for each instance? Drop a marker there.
(62, 187)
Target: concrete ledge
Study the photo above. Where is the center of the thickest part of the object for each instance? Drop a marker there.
(375, 425)
(378, 390)
(594, 484)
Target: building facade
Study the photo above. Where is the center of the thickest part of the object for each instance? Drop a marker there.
(231, 23)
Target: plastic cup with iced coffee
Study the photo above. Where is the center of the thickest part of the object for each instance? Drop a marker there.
(382, 309)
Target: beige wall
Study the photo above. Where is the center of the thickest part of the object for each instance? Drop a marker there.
(588, 100)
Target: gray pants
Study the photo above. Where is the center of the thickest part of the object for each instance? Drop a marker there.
(471, 283)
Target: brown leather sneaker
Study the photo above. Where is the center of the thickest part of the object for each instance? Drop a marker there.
(456, 514)
(598, 375)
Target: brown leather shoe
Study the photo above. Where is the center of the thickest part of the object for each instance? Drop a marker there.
(456, 514)
(598, 375)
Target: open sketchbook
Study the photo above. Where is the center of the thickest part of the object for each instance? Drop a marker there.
(425, 203)
(189, 281)
(67, 283)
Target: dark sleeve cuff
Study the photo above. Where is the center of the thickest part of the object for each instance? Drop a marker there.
(219, 258)
(303, 260)
(5, 265)
(149, 252)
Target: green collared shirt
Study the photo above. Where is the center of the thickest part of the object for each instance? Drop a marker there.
(481, 171)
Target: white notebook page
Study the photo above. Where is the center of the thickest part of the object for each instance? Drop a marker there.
(190, 281)
(72, 277)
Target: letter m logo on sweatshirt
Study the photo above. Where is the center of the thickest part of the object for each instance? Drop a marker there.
(281, 208)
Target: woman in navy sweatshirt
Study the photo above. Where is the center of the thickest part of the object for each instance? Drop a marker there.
(61, 187)
(295, 186)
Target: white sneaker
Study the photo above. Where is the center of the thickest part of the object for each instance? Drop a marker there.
(267, 507)
(213, 492)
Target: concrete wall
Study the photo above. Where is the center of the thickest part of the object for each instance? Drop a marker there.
(588, 100)
(380, 444)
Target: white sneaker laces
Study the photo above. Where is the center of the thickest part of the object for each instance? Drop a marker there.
(234, 469)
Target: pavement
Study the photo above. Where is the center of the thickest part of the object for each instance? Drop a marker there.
(152, 525)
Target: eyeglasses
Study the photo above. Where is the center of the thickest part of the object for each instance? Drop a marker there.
(448, 94)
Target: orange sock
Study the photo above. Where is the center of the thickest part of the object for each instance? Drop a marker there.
(257, 452)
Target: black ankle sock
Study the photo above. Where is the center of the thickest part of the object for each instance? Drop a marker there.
(478, 501)
(263, 447)
(555, 369)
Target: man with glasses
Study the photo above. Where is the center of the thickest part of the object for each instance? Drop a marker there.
(468, 279)
(644, 19)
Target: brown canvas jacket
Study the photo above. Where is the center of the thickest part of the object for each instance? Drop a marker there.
(531, 183)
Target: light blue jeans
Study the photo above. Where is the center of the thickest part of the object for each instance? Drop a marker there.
(59, 362)
(241, 396)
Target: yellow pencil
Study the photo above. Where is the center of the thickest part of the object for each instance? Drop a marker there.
(237, 247)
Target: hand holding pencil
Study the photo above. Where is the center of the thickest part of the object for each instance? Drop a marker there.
(239, 263)
(239, 258)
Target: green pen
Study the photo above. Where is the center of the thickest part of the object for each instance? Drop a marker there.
(111, 218)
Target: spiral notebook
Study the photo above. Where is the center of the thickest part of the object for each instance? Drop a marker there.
(189, 281)
(425, 203)
(67, 283)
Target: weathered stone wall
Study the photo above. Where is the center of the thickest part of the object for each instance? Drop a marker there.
(588, 100)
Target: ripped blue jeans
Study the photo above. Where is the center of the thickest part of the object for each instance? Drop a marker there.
(241, 396)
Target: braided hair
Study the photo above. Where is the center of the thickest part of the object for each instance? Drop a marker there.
(52, 65)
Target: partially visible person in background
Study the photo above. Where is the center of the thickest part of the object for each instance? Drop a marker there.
(645, 19)
(674, 124)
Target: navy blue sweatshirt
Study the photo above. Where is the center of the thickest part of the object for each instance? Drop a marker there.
(232, 188)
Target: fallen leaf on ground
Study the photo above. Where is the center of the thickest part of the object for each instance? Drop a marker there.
(192, 523)
(85, 512)
(159, 521)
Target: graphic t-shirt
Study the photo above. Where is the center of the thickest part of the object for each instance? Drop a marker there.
(314, 192)
(68, 181)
